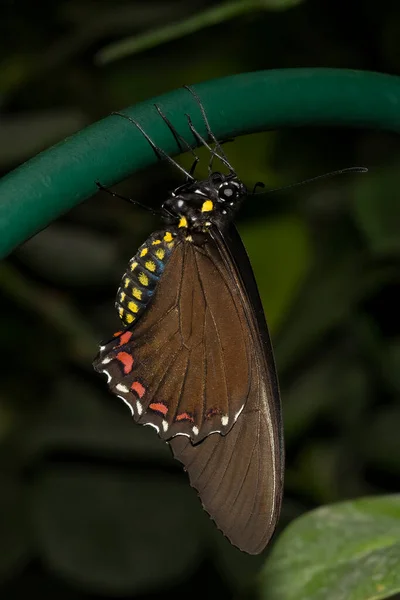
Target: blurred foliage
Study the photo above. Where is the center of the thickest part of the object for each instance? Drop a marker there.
(93, 506)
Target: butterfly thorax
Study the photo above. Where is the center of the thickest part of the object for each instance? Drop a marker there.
(197, 206)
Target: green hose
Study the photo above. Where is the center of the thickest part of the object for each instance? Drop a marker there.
(57, 179)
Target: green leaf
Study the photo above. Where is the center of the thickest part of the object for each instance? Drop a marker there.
(346, 551)
(212, 16)
(114, 532)
(280, 254)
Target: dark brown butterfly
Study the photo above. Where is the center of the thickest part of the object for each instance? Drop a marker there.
(194, 358)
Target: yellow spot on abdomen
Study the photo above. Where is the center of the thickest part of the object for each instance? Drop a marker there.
(120, 311)
(133, 307)
(122, 296)
(126, 282)
(156, 242)
(136, 293)
(168, 236)
(129, 318)
(183, 222)
(207, 206)
(133, 266)
(143, 279)
(160, 253)
(144, 252)
(150, 265)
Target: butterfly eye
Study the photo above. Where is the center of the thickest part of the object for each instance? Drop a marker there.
(228, 192)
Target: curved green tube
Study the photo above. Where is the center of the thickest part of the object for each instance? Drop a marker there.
(57, 179)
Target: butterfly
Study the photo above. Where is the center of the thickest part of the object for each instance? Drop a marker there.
(193, 358)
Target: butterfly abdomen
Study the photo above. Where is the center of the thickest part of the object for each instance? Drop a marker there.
(142, 276)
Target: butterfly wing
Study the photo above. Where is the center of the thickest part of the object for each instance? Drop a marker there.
(184, 368)
(198, 367)
(239, 477)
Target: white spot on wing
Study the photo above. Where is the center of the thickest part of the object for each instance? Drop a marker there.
(165, 425)
(224, 420)
(108, 375)
(122, 388)
(185, 434)
(127, 403)
(195, 430)
(238, 413)
(102, 348)
(106, 360)
(139, 407)
(154, 426)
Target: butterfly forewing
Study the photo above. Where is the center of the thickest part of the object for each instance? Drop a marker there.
(184, 367)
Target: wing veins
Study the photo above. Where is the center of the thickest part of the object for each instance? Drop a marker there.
(215, 327)
(234, 302)
(247, 470)
(183, 382)
(178, 304)
(203, 402)
(161, 381)
(258, 480)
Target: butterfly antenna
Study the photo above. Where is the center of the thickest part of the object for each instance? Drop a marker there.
(127, 199)
(179, 138)
(324, 176)
(218, 151)
(160, 153)
(206, 122)
(201, 140)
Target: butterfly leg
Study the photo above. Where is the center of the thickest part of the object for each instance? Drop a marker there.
(179, 138)
(102, 188)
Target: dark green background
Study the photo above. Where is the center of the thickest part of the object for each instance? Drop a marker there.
(90, 504)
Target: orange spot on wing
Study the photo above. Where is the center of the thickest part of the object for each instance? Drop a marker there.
(138, 388)
(125, 337)
(127, 361)
(184, 417)
(159, 407)
(117, 333)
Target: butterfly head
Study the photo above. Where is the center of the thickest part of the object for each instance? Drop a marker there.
(199, 205)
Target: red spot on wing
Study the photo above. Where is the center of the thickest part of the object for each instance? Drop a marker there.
(138, 388)
(127, 361)
(184, 417)
(117, 333)
(159, 407)
(212, 412)
(125, 337)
